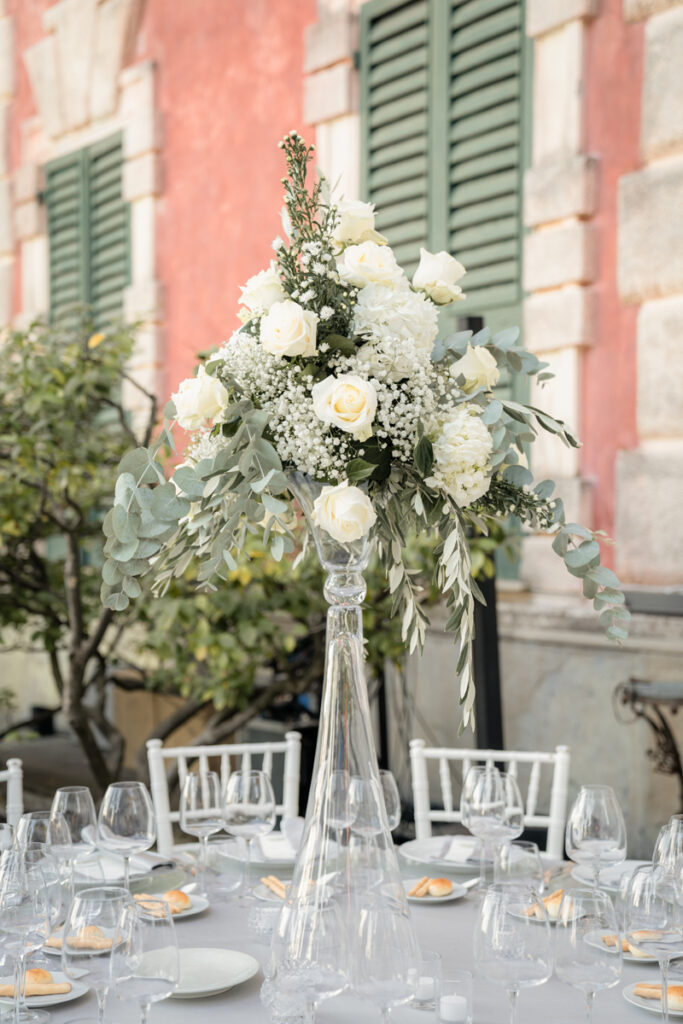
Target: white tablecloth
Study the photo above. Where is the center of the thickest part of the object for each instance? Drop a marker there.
(446, 927)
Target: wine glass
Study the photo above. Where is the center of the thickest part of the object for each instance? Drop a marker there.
(512, 948)
(367, 801)
(668, 849)
(582, 960)
(145, 965)
(48, 828)
(200, 814)
(126, 822)
(340, 815)
(38, 856)
(392, 798)
(653, 921)
(76, 805)
(90, 932)
(24, 920)
(249, 811)
(482, 810)
(309, 955)
(386, 957)
(512, 824)
(519, 862)
(596, 831)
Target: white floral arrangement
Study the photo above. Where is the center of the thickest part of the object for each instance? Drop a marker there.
(338, 372)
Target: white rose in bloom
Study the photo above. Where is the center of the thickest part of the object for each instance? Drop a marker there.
(347, 402)
(356, 223)
(436, 275)
(479, 368)
(288, 329)
(262, 290)
(344, 511)
(461, 453)
(369, 263)
(199, 399)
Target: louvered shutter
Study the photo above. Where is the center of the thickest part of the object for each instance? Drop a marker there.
(394, 62)
(88, 226)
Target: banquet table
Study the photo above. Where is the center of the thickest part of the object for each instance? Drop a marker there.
(446, 927)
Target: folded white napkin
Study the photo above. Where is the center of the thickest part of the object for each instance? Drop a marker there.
(276, 847)
(461, 850)
(148, 861)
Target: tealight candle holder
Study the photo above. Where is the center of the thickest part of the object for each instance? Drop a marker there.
(454, 998)
(425, 978)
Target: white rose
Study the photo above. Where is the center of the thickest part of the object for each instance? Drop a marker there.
(369, 263)
(347, 402)
(356, 223)
(262, 290)
(345, 512)
(479, 368)
(288, 329)
(436, 275)
(199, 399)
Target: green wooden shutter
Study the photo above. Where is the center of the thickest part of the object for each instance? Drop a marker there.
(394, 81)
(88, 225)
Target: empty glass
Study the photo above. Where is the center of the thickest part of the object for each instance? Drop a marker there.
(367, 804)
(145, 965)
(90, 933)
(519, 862)
(126, 822)
(392, 798)
(249, 811)
(340, 814)
(386, 957)
(201, 815)
(511, 948)
(582, 959)
(668, 850)
(24, 921)
(37, 856)
(75, 804)
(596, 832)
(482, 810)
(49, 829)
(653, 921)
(309, 955)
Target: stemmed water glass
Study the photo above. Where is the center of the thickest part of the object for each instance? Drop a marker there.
(596, 831)
(200, 814)
(386, 956)
(309, 956)
(482, 809)
(38, 856)
(24, 920)
(75, 804)
(582, 960)
(126, 822)
(653, 921)
(90, 932)
(249, 811)
(340, 815)
(511, 947)
(47, 828)
(668, 850)
(519, 863)
(145, 965)
(366, 801)
(392, 798)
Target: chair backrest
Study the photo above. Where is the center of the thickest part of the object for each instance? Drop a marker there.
(13, 775)
(554, 820)
(243, 753)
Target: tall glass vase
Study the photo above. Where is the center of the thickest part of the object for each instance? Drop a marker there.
(347, 880)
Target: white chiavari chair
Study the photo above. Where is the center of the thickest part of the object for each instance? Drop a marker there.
(513, 760)
(232, 757)
(13, 776)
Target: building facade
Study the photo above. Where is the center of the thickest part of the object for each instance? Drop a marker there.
(540, 141)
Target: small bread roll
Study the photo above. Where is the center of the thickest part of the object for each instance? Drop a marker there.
(419, 885)
(177, 901)
(675, 993)
(551, 904)
(88, 937)
(38, 976)
(440, 887)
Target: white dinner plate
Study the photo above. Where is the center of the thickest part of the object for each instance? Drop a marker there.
(78, 989)
(458, 892)
(234, 851)
(199, 905)
(459, 854)
(610, 877)
(204, 972)
(646, 1004)
(51, 951)
(595, 939)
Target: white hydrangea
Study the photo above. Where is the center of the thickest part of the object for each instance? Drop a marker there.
(401, 325)
(462, 447)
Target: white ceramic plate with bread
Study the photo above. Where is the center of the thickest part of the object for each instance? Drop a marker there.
(56, 986)
(181, 903)
(432, 890)
(603, 940)
(648, 997)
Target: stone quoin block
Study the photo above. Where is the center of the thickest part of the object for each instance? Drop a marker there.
(558, 93)
(634, 10)
(660, 368)
(112, 37)
(6, 58)
(143, 122)
(73, 24)
(542, 570)
(142, 177)
(649, 250)
(662, 115)
(559, 318)
(6, 234)
(41, 64)
(330, 40)
(559, 397)
(30, 219)
(562, 254)
(545, 15)
(143, 299)
(328, 94)
(29, 182)
(559, 188)
(35, 279)
(649, 496)
(4, 138)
